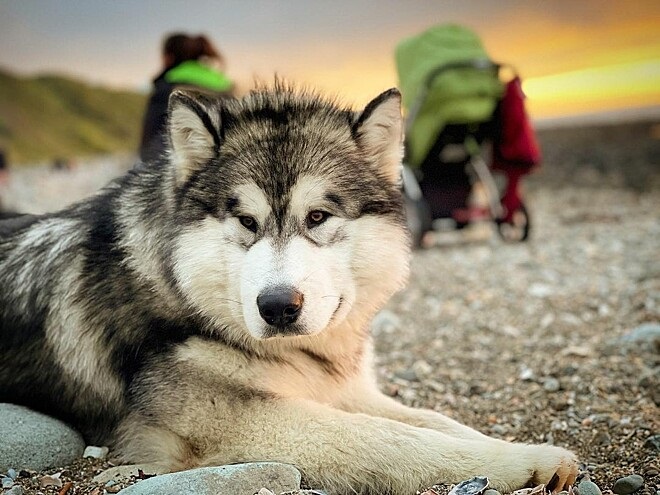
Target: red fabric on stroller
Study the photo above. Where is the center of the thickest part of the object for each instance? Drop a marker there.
(515, 145)
(515, 149)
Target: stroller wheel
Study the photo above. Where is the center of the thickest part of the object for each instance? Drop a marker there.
(517, 229)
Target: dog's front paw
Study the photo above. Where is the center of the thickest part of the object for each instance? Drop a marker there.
(554, 466)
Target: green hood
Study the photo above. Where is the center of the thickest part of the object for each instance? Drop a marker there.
(458, 96)
(197, 74)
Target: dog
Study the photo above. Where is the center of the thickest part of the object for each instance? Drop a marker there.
(214, 306)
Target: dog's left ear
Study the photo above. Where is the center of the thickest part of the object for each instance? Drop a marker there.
(379, 130)
(193, 125)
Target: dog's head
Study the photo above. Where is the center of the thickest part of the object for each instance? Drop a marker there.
(289, 208)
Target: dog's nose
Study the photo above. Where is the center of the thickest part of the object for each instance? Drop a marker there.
(280, 306)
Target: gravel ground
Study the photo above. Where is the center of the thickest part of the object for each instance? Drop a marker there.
(522, 341)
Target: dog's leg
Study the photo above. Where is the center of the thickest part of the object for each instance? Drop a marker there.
(365, 398)
(355, 453)
(371, 401)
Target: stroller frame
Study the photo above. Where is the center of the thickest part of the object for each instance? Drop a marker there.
(420, 220)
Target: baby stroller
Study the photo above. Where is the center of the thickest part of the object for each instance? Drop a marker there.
(463, 123)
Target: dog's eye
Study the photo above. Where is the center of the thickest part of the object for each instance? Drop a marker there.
(248, 222)
(317, 217)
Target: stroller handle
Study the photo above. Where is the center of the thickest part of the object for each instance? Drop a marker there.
(483, 64)
(479, 64)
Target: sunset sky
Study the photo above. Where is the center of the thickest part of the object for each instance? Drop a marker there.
(575, 56)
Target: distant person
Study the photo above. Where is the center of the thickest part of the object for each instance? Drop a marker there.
(189, 61)
(4, 178)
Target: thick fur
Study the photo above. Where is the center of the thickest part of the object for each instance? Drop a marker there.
(138, 315)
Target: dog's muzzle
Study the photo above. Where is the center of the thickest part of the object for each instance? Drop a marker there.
(280, 306)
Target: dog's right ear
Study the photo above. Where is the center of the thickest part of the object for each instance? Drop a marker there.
(193, 128)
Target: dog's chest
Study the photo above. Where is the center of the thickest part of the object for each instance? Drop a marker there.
(304, 378)
(292, 374)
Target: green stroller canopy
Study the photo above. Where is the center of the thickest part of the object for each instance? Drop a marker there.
(463, 95)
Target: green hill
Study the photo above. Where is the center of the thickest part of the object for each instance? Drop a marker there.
(47, 117)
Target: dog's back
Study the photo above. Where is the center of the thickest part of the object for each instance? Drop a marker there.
(76, 320)
(38, 254)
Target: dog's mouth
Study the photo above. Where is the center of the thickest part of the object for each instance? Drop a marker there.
(293, 330)
(334, 313)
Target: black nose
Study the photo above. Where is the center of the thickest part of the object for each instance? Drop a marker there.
(280, 306)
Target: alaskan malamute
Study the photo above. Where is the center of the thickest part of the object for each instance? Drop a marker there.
(214, 306)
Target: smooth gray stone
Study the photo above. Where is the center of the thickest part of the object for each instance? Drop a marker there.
(15, 490)
(646, 332)
(628, 484)
(31, 440)
(234, 479)
(588, 487)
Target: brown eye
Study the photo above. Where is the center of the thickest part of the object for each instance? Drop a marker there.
(317, 217)
(249, 223)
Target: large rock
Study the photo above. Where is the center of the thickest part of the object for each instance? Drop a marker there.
(31, 440)
(235, 479)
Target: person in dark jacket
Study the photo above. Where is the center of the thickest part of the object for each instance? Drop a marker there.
(190, 61)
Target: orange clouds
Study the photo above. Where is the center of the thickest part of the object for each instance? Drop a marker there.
(569, 65)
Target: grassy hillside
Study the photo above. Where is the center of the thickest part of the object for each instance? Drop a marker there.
(47, 117)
